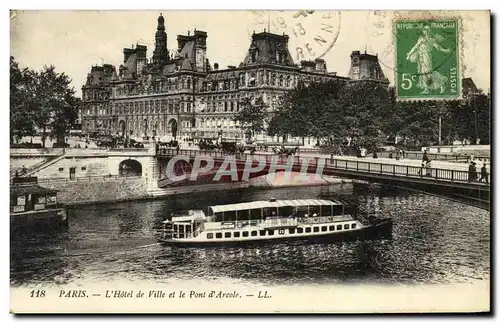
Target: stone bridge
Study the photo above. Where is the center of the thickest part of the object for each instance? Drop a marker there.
(188, 167)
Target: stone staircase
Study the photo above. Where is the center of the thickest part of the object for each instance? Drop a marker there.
(43, 164)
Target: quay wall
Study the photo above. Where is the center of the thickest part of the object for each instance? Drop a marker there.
(116, 189)
(93, 191)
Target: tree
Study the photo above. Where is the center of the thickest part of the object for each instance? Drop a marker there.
(253, 115)
(309, 111)
(367, 107)
(337, 110)
(22, 101)
(56, 104)
(41, 100)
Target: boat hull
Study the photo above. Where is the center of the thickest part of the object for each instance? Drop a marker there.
(40, 218)
(382, 229)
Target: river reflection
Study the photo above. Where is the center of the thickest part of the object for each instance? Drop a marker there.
(434, 240)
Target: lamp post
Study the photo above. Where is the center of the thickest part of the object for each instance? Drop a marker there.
(439, 138)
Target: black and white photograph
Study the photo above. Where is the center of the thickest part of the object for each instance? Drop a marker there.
(250, 161)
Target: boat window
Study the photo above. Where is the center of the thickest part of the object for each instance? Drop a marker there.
(324, 228)
(281, 231)
(353, 226)
(255, 214)
(270, 211)
(243, 215)
(314, 209)
(236, 234)
(337, 209)
(339, 227)
(262, 233)
(227, 234)
(332, 228)
(346, 226)
(291, 230)
(218, 235)
(326, 210)
(230, 216)
(210, 235)
(254, 233)
(308, 229)
(301, 211)
(270, 232)
(300, 230)
(218, 217)
(286, 211)
(245, 233)
(316, 229)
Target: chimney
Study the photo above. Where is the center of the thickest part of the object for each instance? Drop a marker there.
(126, 54)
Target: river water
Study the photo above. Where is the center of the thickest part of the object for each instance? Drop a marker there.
(434, 241)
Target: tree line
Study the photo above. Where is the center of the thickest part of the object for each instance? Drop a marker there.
(367, 114)
(41, 102)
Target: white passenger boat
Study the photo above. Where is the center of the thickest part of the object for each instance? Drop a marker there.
(266, 221)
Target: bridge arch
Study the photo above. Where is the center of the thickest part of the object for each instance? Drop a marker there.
(130, 167)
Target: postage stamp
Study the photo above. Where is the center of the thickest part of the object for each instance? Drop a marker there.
(427, 58)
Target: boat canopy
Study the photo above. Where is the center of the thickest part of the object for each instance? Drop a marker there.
(269, 204)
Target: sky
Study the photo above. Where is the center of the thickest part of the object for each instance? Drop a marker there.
(73, 41)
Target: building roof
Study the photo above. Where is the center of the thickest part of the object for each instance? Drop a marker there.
(24, 189)
(267, 47)
(266, 204)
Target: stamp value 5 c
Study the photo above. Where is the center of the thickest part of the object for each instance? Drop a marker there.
(427, 59)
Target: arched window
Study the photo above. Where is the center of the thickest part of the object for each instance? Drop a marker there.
(281, 80)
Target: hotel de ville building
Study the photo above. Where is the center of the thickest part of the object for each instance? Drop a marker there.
(181, 95)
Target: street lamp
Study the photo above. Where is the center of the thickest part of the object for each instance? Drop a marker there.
(438, 107)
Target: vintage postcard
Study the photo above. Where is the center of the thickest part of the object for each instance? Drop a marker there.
(297, 161)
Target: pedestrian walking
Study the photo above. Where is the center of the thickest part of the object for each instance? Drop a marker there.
(484, 174)
(428, 168)
(420, 171)
(425, 158)
(474, 172)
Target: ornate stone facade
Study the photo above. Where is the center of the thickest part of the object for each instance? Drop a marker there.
(182, 94)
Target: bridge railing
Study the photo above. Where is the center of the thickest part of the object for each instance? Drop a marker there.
(452, 157)
(350, 165)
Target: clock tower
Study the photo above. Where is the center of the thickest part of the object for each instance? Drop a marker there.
(366, 67)
(160, 54)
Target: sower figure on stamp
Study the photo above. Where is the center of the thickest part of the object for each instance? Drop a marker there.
(429, 79)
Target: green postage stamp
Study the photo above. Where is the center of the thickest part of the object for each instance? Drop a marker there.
(427, 59)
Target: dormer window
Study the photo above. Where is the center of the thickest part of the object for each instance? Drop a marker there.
(280, 58)
(254, 53)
